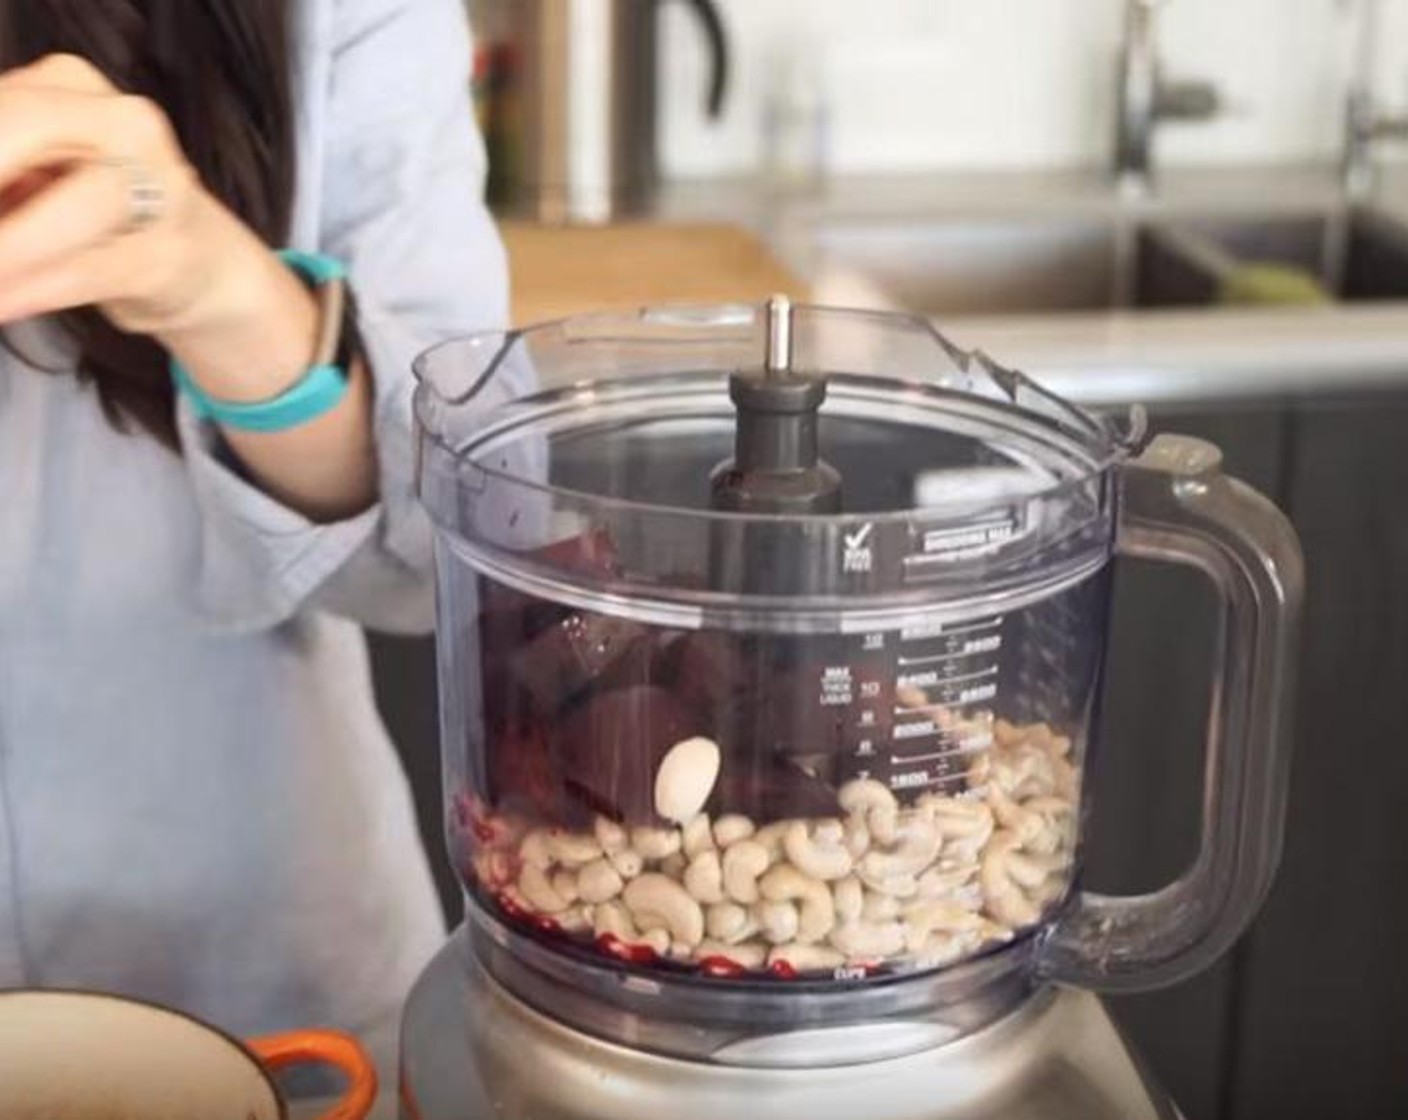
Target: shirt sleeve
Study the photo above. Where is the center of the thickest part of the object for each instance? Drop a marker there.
(401, 203)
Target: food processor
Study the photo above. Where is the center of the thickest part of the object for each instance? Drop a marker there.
(771, 642)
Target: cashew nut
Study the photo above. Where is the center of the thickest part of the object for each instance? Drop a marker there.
(869, 940)
(945, 948)
(943, 880)
(1050, 891)
(926, 918)
(598, 881)
(883, 825)
(957, 818)
(829, 833)
(655, 843)
(745, 954)
(857, 836)
(729, 922)
(1043, 824)
(697, 836)
(626, 862)
(1005, 733)
(575, 919)
(911, 696)
(538, 891)
(743, 863)
(1024, 771)
(860, 795)
(533, 850)
(970, 897)
(770, 837)
(1025, 871)
(777, 921)
(979, 772)
(673, 865)
(896, 886)
(816, 914)
(730, 829)
(656, 940)
(614, 919)
(918, 842)
(572, 849)
(848, 898)
(610, 835)
(686, 778)
(812, 854)
(806, 958)
(564, 882)
(1002, 897)
(704, 877)
(1066, 777)
(658, 902)
(874, 803)
(1052, 807)
(964, 825)
(879, 907)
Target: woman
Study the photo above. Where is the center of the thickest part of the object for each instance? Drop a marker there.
(206, 485)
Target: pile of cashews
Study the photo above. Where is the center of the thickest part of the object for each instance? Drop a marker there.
(920, 885)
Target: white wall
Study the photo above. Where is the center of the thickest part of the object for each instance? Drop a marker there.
(937, 84)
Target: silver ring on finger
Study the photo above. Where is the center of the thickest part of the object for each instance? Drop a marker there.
(146, 197)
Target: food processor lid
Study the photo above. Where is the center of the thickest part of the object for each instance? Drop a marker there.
(893, 460)
(598, 381)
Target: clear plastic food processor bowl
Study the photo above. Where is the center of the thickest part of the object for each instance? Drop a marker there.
(770, 642)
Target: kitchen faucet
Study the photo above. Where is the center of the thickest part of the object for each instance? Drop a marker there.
(1147, 99)
(1365, 125)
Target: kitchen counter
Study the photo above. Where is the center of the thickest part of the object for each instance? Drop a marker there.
(559, 271)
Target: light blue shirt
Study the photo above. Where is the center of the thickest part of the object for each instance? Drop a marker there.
(198, 801)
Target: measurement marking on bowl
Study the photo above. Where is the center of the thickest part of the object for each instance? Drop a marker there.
(933, 677)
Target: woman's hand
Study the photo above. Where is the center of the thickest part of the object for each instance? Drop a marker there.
(79, 160)
(99, 206)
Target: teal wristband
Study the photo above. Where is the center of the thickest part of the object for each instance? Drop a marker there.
(318, 391)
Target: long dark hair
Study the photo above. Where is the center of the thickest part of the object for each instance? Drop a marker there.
(220, 69)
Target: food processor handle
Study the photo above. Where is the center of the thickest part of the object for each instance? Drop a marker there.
(1179, 507)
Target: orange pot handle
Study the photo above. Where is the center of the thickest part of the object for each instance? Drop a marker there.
(342, 1051)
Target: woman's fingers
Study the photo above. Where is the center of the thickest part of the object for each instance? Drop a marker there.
(42, 127)
(75, 281)
(21, 190)
(98, 204)
(80, 210)
(60, 71)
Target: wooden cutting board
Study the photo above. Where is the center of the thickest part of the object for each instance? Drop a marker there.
(563, 270)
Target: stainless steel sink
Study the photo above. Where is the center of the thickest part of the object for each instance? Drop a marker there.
(1105, 260)
(984, 264)
(1356, 254)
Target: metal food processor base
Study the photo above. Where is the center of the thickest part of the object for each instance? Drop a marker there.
(472, 1051)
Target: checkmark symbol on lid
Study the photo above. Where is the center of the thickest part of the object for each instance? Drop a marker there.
(860, 536)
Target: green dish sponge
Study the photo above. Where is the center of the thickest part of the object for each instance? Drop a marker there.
(1269, 284)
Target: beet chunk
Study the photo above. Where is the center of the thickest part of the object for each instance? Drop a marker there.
(772, 788)
(608, 747)
(570, 655)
